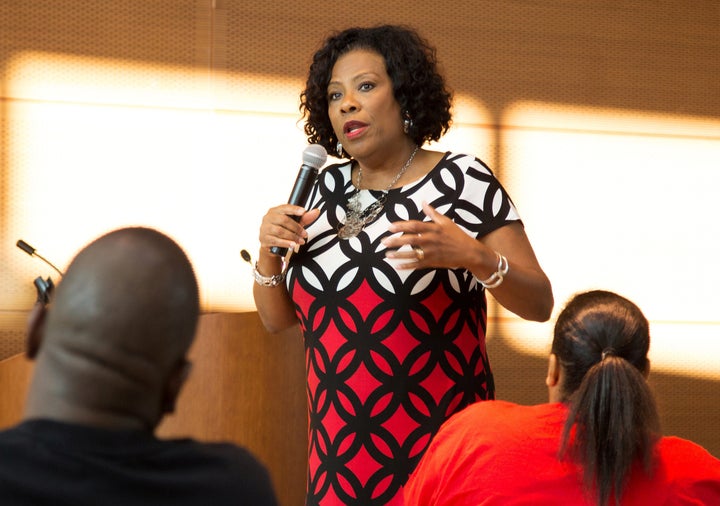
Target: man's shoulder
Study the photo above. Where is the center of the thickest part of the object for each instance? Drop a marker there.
(228, 464)
(218, 453)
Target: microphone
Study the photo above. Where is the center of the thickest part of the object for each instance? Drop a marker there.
(314, 157)
(44, 287)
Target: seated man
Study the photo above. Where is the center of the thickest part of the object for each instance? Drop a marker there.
(596, 442)
(110, 362)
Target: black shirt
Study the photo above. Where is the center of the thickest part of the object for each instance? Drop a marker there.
(44, 462)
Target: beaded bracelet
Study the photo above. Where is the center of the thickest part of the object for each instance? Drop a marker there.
(273, 280)
(261, 280)
(497, 277)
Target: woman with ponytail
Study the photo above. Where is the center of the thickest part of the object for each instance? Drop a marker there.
(597, 442)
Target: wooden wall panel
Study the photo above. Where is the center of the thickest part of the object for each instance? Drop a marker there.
(248, 386)
(15, 375)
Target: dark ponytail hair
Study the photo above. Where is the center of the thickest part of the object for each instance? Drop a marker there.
(601, 340)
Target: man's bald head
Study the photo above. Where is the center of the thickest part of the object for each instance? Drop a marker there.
(122, 320)
(133, 286)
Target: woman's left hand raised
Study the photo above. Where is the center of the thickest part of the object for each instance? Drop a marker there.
(439, 243)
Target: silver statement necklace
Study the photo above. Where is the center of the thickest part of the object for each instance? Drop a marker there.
(357, 217)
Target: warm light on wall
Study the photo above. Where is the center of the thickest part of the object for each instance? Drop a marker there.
(611, 199)
(95, 144)
(625, 201)
(98, 144)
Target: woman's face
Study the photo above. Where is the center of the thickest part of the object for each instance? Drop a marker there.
(363, 111)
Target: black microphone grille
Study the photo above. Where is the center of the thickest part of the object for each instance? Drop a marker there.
(315, 156)
(25, 247)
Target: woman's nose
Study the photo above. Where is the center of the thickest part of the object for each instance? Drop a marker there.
(348, 104)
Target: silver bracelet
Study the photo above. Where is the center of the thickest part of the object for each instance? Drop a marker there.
(497, 277)
(273, 280)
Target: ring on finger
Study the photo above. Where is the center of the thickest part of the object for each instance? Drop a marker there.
(419, 252)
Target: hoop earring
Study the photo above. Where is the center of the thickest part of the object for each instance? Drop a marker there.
(339, 149)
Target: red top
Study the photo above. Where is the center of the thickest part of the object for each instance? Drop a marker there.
(496, 452)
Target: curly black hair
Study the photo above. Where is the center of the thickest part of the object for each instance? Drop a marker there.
(412, 66)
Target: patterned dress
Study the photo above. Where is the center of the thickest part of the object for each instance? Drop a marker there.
(390, 354)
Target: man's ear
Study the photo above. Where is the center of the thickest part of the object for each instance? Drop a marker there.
(35, 329)
(174, 385)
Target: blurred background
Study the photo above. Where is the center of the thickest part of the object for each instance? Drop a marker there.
(601, 118)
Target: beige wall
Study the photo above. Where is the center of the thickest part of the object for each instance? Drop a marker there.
(535, 79)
